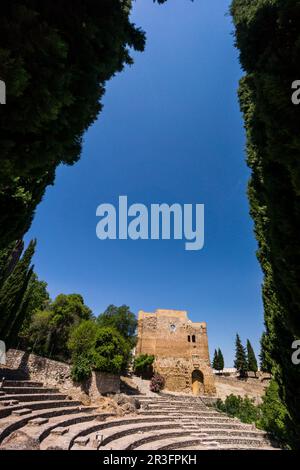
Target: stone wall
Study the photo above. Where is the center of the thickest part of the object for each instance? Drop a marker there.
(57, 374)
(180, 347)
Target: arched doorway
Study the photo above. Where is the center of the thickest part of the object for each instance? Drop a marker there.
(197, 382)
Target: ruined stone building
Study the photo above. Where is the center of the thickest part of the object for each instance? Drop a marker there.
(180, 348)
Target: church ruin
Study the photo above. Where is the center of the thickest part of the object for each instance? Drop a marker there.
(180, 348)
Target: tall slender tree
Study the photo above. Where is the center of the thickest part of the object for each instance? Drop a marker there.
(267, 34)
(220, 360)
(251, 358)
(264, 356)
(240, 362)
(215, 362)
(13, 292)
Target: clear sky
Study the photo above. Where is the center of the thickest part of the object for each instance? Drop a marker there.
(170, 131)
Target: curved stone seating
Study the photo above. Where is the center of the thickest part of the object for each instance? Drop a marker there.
(164, 422)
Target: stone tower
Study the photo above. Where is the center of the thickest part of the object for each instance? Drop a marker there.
(180, 348)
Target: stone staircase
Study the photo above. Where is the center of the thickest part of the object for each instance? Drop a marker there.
(165, 422)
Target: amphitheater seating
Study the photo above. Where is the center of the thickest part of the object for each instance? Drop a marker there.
(164, 422)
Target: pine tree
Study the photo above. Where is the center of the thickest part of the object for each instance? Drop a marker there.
(240, 362)
(220, 360)
(252, 362)
(12, 294)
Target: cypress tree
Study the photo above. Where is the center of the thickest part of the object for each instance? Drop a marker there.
(215, 363)
(264, 357)
(220, 360)
(240, 362)
(8, 259)
(252, 362)
(267, 34)
(13, 291)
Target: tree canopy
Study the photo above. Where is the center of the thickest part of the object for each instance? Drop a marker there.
(121, 319)
(49, 328)
(94, 347)
(55, 58)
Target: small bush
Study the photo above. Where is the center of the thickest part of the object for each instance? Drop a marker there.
(142, 365)
(242, 408)
(157, 383)
(274, 416)
(81, 369)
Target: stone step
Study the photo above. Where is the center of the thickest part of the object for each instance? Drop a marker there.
(77, 422)
(111, 425)
(38, 421)
(249, 442)
(34, 397)
(175, 409)
(40, 405)
(22, 383)
(2, 393)
(134, 441)
(59, 431)
(189, 416)
(5, 403)
(82, 441)
(130, 436)
(22, 412)
(28, 390)
(227, 447)
(116, 437)
(13, 423)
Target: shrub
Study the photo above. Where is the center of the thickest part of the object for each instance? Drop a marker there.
(81, 369)
(274, 415)
(143, 365)
(242, 408)
(157, 383)
(97, 348)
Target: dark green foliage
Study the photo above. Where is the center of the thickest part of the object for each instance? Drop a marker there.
(274, 416)
(215, 362)
(49, 329)
(94, 347)
(218, 360)
(55, 57)
(111, 352)
(268, 37)
(82, 338)
(81, 369)
(242, 408)
(9, 257)
(14, 291)
(157, 383)
(270, 416)
(251, 359)
(122, 319)
(240, 362)
(142, 365)
(264, 356)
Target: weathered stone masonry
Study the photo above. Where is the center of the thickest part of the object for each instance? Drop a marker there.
(180, 348)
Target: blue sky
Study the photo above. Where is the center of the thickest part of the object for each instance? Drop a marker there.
(170, 131)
